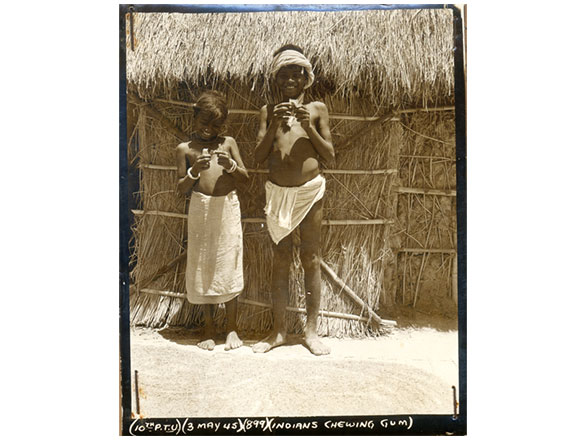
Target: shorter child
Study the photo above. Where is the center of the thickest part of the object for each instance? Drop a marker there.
(208, 167)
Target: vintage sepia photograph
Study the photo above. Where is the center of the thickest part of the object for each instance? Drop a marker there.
(293, 219)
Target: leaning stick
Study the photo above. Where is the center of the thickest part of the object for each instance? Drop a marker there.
(340, 283)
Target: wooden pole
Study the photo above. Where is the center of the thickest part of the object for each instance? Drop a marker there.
(340, 283)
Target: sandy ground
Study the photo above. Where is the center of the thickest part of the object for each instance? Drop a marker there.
(410, 371)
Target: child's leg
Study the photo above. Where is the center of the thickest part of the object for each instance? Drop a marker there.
(282, 256)
(232, 339)
(310, 229)
(207, 343)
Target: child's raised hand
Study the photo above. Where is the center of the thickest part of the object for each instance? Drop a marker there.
(281, 112)
(225, 160)
(303, 116)
(202, 162)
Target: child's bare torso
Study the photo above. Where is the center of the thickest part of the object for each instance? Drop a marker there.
(213, 181)
(293, 159)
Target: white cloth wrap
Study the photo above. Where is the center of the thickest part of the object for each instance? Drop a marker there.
(292, 57)
(213, 274)
(287, 206)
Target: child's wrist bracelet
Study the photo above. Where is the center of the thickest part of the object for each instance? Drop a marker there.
(191, 175)
(233, 167)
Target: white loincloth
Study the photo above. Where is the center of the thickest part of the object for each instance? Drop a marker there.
(287, 206)
(214, 249)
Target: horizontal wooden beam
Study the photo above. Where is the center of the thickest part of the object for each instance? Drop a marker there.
(426, 251)
(325, 313)
(266, 171)
(376, 221)
(426, 191)
(332, 115)
(321, 312)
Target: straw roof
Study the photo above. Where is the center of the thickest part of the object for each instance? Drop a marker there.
(397, 57)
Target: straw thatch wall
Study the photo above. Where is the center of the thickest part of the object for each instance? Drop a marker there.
(406, 257)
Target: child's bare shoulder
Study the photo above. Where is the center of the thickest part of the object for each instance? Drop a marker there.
(228, 141)
(183, 147)
(319, 106)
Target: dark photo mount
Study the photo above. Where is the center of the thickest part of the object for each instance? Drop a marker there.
(131, 422)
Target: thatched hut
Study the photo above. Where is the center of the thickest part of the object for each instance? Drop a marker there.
(387, 78)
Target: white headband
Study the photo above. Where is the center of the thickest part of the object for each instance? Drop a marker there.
(292, 57)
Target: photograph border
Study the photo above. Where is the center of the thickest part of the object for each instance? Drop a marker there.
(408, 424)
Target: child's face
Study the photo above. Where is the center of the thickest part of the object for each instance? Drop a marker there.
(207, 126)
(291, 80)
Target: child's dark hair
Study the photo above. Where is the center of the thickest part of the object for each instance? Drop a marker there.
(212, 102)
(288, 47)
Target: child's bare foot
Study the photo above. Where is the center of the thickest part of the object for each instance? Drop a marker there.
(317, 347)
(207, 342)
(232, 341)
(271, 341)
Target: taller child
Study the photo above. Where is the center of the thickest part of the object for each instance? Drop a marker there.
(294, 136)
